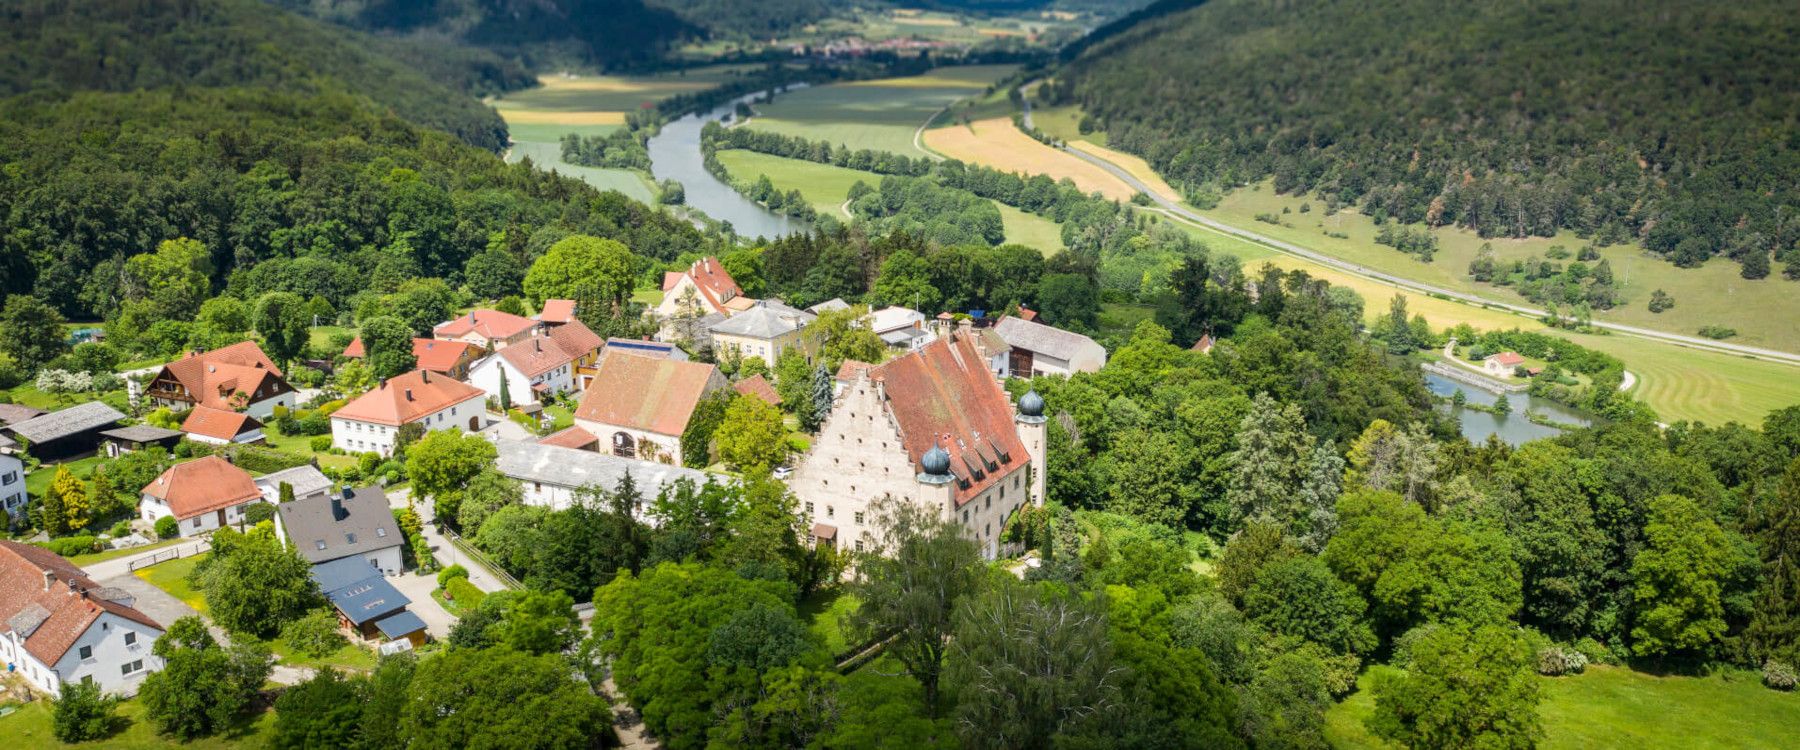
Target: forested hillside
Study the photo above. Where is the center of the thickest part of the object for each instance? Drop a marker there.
(1654, 121)
(540, 33)
(122, 45)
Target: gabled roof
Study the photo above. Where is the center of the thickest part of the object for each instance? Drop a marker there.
(212, 377)
(1508, 359)
(50, 619)
(14, 413)
(850, 369)
(407, 398)
(572, 437)
(490, 324)
(431, 354)
(645, 348)
(1204, 345)
(715, 285)
(944, 395)
(220, 424)
(66, 422)
(893, 317)
(327, 527)
(306, 480)
(758, 386)
(835, 303)
(1042, 339)
(766, 319)
(202, 486)
(357, 589)
(557, 311)
(646, 393)
(577, 339)
(535, 356)
(569, 467)
(141, 433)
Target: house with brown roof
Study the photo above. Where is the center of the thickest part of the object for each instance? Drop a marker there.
(239, 377)
(371, 423)
(758, 387)
(451, 358)
(557, 312)
(695, 299)
(1502, 365)
(221, 427)
(203, 495)
(546, 364)
(58, 626)
(638, 406)
(931, 427)
(489, 329)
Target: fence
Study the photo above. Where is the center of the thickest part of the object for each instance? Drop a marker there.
(173, 553)
(478, 558)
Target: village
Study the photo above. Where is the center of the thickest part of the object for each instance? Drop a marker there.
(562, 414)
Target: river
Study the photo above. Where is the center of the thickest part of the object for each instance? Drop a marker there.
(1513, 429)
(675, 155)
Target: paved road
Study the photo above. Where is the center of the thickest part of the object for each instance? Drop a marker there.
(1176, 210)
(446, 552)
(120, 566)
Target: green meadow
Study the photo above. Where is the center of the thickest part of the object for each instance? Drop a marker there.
(881, 115)
(631, 182)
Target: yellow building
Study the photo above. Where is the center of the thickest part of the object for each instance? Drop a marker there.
(765, 330)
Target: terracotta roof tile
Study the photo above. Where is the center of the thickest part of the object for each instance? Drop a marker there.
(431, 354)
(573, 437)
(202, 486)
(491, 324)
(850, 369)
(61, 612)
(577, 339)
(715, 284)
(213, 376)
(535, 356)
(944, 395)
(557, 311)
(407, 398)
(219, 424)
(759, 387)
(647, 393)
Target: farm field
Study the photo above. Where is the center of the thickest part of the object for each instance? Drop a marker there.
(997, 143)
(632, 183)
(880, 115)
(826, 187)
(1064, 122)
(1617, 707)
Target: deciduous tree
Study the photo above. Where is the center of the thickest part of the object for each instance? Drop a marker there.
(387, 347)
(1467, 688)
(910, 581)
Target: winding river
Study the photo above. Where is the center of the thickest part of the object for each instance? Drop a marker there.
(1515, 428)
(675, 155)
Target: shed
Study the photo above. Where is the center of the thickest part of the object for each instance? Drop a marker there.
(67, 433)
(137, 437)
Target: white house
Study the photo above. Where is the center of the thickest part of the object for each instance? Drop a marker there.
(206, 424)
(336, 525)
(488, 329)
(901, 327)
(552, 475)
(704, 288)
(372, 422)
(58, 626)
(1039, 349)
(1502, 365)
(531, 369)
(306, 481)
(638, 406)
(13, 498)
(203, 495)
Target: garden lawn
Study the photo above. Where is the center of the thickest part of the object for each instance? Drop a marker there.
(172, 576)
(824, 614)
(548, 155)
(351, 657)
(30, 729)
(82, 561)
(880, 115)
(1617, 707)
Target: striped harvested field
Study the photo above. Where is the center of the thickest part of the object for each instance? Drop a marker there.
(996, 143)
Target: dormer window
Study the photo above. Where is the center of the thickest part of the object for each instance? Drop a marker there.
(319, 543)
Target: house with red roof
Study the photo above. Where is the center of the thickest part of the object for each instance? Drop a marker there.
(489, 329)
(58, 626)
(371, 423)
(221, 427)
(557, 312)
(1502, 365)
(451, 358)
(546, 364)
(931, 427)
(239, 377)
(758, 387)
(637, 407)
(204, 495)
(696, 299)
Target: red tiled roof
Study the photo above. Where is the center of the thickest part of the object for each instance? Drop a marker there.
(1508, 358)
(536, 356)
(759, 387)
(647, 393)
(220, 424)
(66, 613)
(432, 354)
(407, 398)
(577, 339)
(850, 368)
(491, 324)
(557, 311)
(1026, 313)
(715, 284)
(944, 395)
(213, 376)
(202, 486)
(573, 437)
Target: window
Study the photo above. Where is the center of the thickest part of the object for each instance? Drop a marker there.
(830, 512)
(990, 503)
(809, 509)
(350, 538)
(859, 518)
(9, 477)
(859, 545)
(196, 523)
(381, 532)
(130, 637)
(87, 652)
(131, 666)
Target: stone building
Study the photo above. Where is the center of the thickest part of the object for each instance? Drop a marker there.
(932, 427)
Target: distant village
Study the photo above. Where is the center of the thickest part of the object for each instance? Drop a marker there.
(930, 422)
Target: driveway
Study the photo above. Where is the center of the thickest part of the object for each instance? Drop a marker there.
(121, 566)
(445, 552)
(418, 588)
(160, 605)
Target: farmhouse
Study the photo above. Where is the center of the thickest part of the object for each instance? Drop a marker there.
(450, 358)
(67, 433)
(335, 525)
(203, 495)
(221, 427)
(639, 406)
(235, 378)
(372, 422)
(59, 626)
(1038, 349)
(525, 373)
(489, 329)
(551, 476)
(931, 427)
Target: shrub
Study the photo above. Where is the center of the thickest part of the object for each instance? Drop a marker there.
(83, 713)
(167, 527)
(466, 596)
(1596, 652)
(452, 573)
(315, 634)
(258, 513)
(392, 471)
(122, 528)
(321, 444)
(1779, 675)
(69, 546)
(1717, 332)
(1558, 660)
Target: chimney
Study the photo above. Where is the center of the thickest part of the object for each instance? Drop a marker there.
(49, 578)
(536, 345)
(424, 376)
(338, 512)
(409, 394)
(381, 384)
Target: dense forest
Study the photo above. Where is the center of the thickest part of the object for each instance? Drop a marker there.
(52, 48)
(1511, 119)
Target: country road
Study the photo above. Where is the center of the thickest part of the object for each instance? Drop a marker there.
(1177, 211)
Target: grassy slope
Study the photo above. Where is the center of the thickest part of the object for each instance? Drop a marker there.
(1616, 707)
(29, 729)
(881, 115)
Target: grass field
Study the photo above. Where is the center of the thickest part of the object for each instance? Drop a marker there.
(172, 577)
(1064, 122)
(634, 184)
(825, 187)
(997, 143)
(82, 561)
(880, 114)
(1616, 707)
(29, 729)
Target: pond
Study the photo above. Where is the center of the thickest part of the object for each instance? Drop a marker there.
(675, 155)
(1515, 428)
